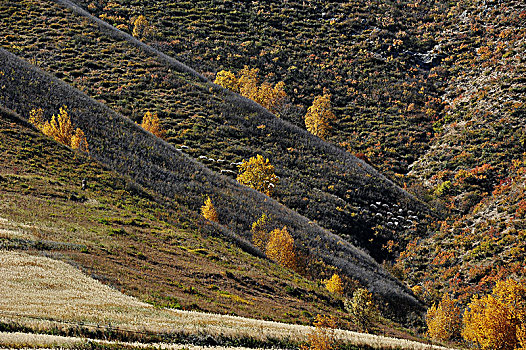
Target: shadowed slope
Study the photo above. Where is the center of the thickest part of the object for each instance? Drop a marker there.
(123, 146)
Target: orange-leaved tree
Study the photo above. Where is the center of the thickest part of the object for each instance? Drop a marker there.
(444, 320)
(497, 321)
(151, 123)
(319, 116)
(323, 336)
(209, 211)
(60, 128)
(259, 174)
(280, 248)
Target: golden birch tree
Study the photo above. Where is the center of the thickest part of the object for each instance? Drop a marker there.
(259, 174)
(319, 115)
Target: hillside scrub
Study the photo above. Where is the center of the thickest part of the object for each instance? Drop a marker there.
(318, 180)
(157, 165)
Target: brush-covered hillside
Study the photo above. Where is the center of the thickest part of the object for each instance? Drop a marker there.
(133, 239)
(475, 165)
(317, 179)
(421, 168)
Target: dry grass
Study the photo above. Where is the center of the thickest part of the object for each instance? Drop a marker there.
(43, 288)
(29, 340)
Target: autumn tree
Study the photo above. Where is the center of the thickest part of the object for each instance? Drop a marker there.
(444, 320)
(362, 308)
(261, 232)
(323, 336)
(319, 116)
(208, 210)
(247, 85)
(227, 80)
(259, 174)
(496, 321)
(334, 284)
(280, 248)
(59, 128)
(151, 123)
(142, 28)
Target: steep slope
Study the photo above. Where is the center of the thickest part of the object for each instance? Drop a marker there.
(475, 165)
(123, 146)
(135, 240)
(374, 57)
(319, 181)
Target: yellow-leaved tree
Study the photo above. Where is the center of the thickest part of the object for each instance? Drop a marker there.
(323, 337)
(261, 232)
(362, 308)
(227, 80)
(151, 123)
(280, 248)
(142, 28)
(270, 97)
(259, 174)
(209, 211)
(334, 284)
(319, 116)
(444, 320)
(60, 128)
(497, 321)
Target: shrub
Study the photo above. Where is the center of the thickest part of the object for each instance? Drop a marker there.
(444, 320)
(258, 173)
(208, 211)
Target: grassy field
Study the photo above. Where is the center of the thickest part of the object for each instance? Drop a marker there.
(43, 292)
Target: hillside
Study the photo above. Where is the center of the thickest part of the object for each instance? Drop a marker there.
(318, 180)
(475, 165)
(132, 239)
(423, 170)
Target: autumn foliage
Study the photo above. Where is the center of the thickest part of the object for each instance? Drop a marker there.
(247, 85)
(323, 337)
(60, 128)
(444, 320)
(208, 211)
(259, 174)
(319, 116)
(497, 321)
(334, 284)
(261, 232)
(362, 308)
(151, 123)
(280, 248)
